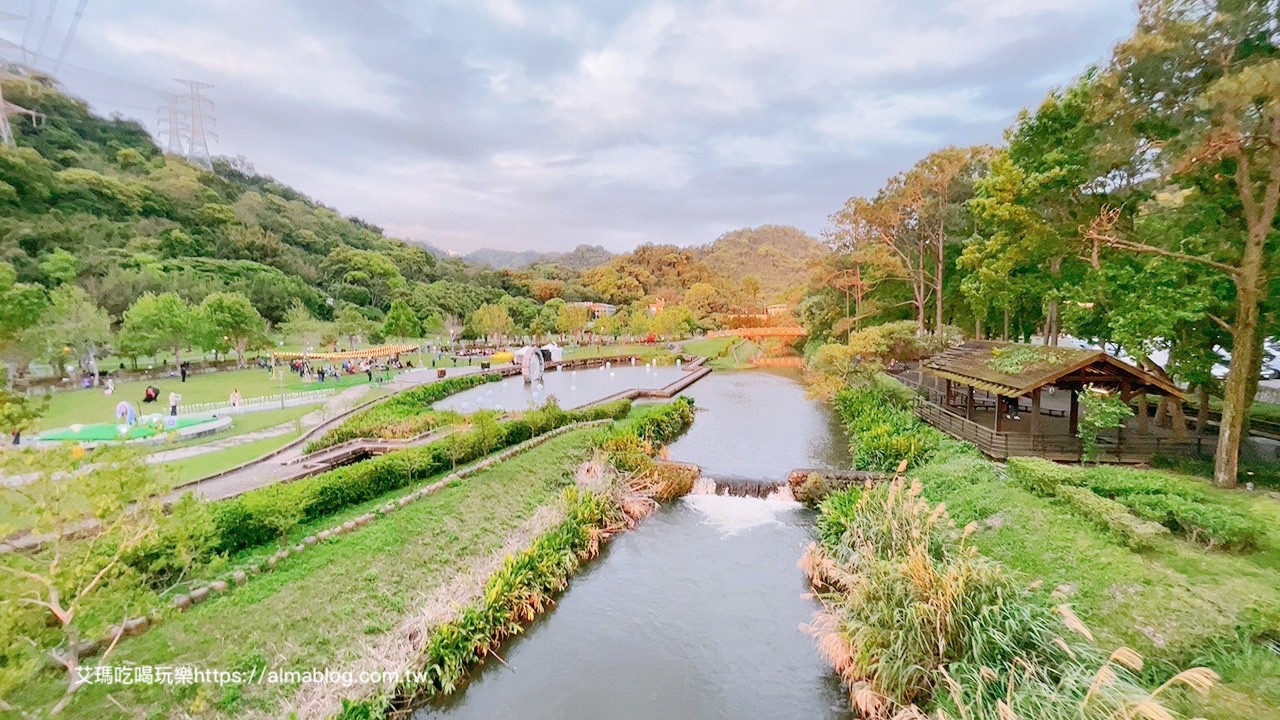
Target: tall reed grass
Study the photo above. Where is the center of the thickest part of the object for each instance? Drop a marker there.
(919, 624)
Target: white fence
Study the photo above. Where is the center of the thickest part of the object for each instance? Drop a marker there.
(256, 404)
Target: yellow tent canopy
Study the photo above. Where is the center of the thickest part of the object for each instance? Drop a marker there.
(381, 351)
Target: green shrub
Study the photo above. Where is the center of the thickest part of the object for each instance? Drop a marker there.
(629, 445)
(1200, 522)
(404, 414)
(1110, 515)
(1043, 477)
(883, 431)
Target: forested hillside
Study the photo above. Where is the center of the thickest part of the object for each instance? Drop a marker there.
(780, 257)
(93, 200)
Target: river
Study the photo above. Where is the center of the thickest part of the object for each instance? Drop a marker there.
(696, 614)
(571, 388)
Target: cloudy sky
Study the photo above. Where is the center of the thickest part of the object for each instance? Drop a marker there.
(522, 124)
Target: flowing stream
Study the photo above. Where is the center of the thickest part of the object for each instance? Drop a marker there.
(696, 614)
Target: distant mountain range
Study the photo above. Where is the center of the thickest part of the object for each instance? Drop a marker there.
(580, 258)
(779, 257)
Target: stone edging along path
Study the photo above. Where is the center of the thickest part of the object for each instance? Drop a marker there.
(140, 624)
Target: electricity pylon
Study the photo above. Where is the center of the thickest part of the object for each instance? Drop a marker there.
(173, 122)
(200, 123)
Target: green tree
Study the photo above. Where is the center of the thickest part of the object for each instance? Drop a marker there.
(60, 267)
(572, 319)
(232, 323)
(1196, 94)
(353, 325)
(80, 589)
(492, 321)
(301, 326)
(704, 300)
(74, 321)
(401, 322)
(21, 305)
(160, 322)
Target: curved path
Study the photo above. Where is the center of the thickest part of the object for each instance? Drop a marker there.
(276, 465)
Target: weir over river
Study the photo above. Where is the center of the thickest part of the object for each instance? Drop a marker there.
(696, 614)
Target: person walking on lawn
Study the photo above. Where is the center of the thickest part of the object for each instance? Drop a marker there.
(174, 399)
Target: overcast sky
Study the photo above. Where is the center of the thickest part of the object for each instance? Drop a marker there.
(517, 124)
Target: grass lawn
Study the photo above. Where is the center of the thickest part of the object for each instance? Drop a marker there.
(735, 356)
(178, 472)
(314, 610)
(92, 406)
(641, 350)
(1178, 604)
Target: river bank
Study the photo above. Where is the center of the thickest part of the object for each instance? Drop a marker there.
(1180, 597)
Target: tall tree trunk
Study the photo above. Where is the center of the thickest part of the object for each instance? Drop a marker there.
(1051, 324)
(93, 364)
(11, 369)
(1005, 335)
(1245, 359)
(939, 268)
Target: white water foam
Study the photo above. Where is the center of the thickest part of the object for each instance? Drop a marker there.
(735, 515)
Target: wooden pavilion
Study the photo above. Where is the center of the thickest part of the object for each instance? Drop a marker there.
(1012, 399)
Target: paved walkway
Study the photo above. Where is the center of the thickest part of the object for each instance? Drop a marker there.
(335, 405)
(269, 470)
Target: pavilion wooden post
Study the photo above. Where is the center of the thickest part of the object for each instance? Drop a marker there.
(999, 415)
(1035, 411)
(946, 399)
(968, 408)
(1144, 426)
(1073, 418)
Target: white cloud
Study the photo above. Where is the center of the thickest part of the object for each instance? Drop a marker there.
(266, 52)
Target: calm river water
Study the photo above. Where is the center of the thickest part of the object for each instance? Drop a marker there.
(696, 614)
(572, 388)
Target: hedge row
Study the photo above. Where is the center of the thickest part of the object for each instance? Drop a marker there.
(1149, 495)
(1110, 515)
(200, 531)
(883, 431)
(403, 415)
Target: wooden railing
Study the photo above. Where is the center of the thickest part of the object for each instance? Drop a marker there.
(1113, 448)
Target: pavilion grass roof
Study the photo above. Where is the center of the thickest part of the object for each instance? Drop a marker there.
(987, 365)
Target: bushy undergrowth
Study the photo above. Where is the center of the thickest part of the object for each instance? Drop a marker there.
(883, 431)
(403, 415)
(630, 445)
(1151, 496)
(916, 621)
(260, 516)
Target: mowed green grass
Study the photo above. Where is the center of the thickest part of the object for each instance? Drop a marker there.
(1179, 604)
(178, 472)
(93, 406)
(314, 610)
